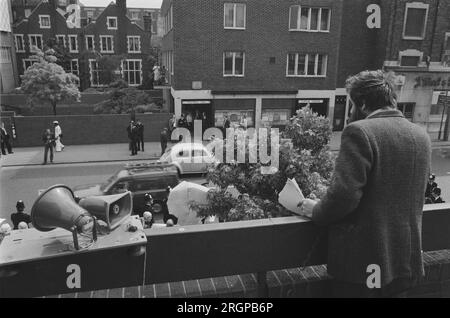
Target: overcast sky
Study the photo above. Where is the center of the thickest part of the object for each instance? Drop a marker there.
(130, 3)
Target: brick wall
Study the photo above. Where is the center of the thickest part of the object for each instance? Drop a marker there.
(438, 23)
(199, 40)
(87, 129)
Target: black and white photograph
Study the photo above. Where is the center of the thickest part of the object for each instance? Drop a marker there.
(225, 155)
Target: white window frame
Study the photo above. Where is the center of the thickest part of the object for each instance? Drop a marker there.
(16, 36)
(27, 60)
(107, 23)
(234, 64)
(93, 42)
(415, 5)
(91, 78)
(319, 20)
(101, 43)
(69, 37)
(41, 16)
(410, 52)
(234, 27)
(138, 37)
(140, 70)
(64, 39)
(316, 65)
(78, 67)
(30, 36)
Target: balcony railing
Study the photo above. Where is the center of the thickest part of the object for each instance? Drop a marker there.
(193, 252)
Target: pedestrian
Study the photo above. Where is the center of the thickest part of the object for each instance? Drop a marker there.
(189, 121)
(22, 226)
(49, 141)
(156, 75)
(132, 137)
(58, 135)
(172, 126)
(163, 138)
(147, 220)
(5, 140)
(437, 196)
(20, 215)
(243, 122)
(204, 122)
(373, 206)
(5, 229)
(140, 132)
(182, 122)
(226, 125)
(431, 185)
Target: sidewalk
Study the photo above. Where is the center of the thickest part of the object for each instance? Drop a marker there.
(114, 152)
(81, 154)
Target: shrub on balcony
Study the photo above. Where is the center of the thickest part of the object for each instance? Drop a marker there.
(307, 158)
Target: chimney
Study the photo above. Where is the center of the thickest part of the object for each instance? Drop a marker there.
(148, 23)
(122, 5)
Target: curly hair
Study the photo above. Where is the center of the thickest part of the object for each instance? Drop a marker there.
(374, 89)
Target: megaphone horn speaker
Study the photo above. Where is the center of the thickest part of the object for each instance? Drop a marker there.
(56, 207)
(112, 209)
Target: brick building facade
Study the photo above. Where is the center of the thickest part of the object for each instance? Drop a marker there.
(267, 58)
(111, 34)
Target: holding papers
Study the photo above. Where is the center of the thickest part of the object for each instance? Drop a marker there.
(291, 196)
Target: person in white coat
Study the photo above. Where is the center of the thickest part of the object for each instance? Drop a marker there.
(58, 134)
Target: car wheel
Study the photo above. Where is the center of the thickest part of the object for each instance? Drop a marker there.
(157, 207)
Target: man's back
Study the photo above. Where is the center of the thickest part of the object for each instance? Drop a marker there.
(382, 158)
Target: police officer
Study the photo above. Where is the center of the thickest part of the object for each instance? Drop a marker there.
(20, 216)
(148, 203)
(431, 185)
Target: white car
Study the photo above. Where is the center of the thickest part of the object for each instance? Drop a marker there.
(189, 158)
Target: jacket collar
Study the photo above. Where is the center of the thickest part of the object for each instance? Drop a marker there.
(382, 113)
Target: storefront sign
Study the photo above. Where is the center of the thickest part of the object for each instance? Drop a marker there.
(426, 81)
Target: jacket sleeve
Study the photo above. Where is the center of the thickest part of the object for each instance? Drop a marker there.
(353, 165)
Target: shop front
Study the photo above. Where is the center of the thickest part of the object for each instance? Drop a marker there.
(235, 109)
(277, 112)
(418, 97)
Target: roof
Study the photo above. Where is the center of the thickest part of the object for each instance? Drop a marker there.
(144, 4)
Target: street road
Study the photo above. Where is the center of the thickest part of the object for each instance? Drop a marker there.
(24, 182)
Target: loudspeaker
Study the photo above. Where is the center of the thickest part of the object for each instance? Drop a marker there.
(56, 207)
(112, 209)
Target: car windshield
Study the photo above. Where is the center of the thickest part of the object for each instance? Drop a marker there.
(110, 181)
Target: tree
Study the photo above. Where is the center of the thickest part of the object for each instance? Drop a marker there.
(47, 82)
(307, 158)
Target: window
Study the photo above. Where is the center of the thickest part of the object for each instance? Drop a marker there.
(35, 41)
(106, 44)
(111, 23)
(95, 73)
(306, 65)
(61, 40)
(44, 21)
(234, 15)
(309, 19)
(20, 46)
(415, 22)
(410, 57)
(62, 2)
(73, 43)
(276, 117)
(168, 21)
(233, 64)
(446, 55)
(27, 63)
(134, 44)
(407, 109)
(132, 72)
(90, 42)
(90, 14)
(73, 67)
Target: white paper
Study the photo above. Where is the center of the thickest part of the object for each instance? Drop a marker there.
(291, 196)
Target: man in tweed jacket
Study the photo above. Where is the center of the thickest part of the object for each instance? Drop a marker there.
(374, 204)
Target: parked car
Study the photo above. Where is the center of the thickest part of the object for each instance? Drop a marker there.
(153, 178)
(189, 158)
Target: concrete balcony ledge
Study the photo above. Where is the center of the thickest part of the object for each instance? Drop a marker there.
(259, 258)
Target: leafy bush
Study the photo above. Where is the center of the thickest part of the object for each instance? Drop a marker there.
(306, 158)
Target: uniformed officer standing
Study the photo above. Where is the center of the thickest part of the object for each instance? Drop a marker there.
(20, 216)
